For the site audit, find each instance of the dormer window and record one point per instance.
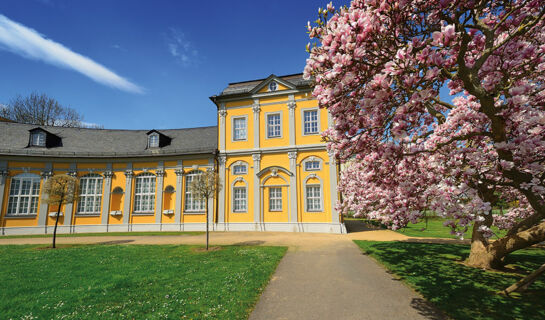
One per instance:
(157, 140)
(273, 86)
(37, 139)
(153, 141)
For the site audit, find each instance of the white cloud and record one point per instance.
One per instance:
(180, 48)
(30, 44)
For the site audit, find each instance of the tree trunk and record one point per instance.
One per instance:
(206, 204)
(490, 255)
(56, 224)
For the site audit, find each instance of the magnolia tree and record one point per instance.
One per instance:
(438, 105)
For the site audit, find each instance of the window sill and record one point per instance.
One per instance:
(21, 216)
(143, 213)
(276, 210)
(311, 134)
(240, 212)
(314, 211)
(87, 215)
(194, 212)
(275, 137)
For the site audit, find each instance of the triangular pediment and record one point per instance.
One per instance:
(264, 86)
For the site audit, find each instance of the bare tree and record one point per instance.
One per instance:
(61, 189)
(42, 110)
(205, 186)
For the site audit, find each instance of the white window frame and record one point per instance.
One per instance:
(191, 203)
(23, 204)
(234, 130)
(90, 195)
(315, 199)
(240, 204)
(267, 126)
(40, 139)
(304, 122)
(309, 160)
(274, 201)
(306, 185)
(273, 86)
(240, 165)
(153, 144)
(146, 192)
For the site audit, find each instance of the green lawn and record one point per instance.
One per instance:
(133, 282)
(436, 229)
(462, 292)
(102, 234)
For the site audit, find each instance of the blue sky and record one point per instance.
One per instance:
(147, 64)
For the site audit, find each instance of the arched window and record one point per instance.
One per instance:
(240, 195)
(144, 193)
(239, 167)
(312, 164)
(314, 196)
(90, 194)
(24, 193)
(191, 201)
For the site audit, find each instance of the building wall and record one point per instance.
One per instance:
(271, 162)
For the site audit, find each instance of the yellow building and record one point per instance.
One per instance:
(267, 148)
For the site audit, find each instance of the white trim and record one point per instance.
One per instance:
(233, 118)
(238, 163)
(312, 227)
(309, 159)
(267, 114)
(303, 110)
(321, 184)
(233, 194)
(144, 194)
(308, 147)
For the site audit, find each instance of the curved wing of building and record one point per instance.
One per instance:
(267, 148)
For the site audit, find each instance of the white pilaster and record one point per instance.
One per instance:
(221, 194)
(3, 177)
(291, 108)
(106, 196)
(159, 194)
(128, 194)
(257, 198)
(256, 109)
(292, 155)
(179, 188)
(222, 128)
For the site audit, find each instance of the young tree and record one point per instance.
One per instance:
(383, 69)
(42, 110)
(60, 189)
(205, 186)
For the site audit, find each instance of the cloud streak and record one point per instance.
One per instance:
(28, 43)
(181, 49)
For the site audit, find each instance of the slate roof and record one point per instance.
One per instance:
(247, 86)
(97, 143)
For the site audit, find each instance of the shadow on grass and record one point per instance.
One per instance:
(462, 292)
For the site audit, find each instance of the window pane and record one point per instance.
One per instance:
(239, 125)
(310, 121)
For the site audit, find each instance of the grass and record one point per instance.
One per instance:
(436, 229)
(133, 282)
(462, 292)
(102, 234)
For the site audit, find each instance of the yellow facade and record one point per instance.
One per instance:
(271, 159)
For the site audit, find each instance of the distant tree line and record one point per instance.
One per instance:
(39, 109)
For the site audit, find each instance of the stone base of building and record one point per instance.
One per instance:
(271, 226)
